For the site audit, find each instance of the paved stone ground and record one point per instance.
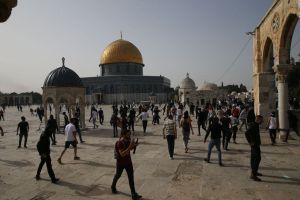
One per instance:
(156, 177)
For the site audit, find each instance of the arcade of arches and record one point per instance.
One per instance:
(271, 59)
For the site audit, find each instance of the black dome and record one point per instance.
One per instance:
(63, 77)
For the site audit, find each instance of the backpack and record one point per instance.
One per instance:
(186, 125)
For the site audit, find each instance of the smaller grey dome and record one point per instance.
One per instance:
(63, 77)
(209, 86)
(187, 83)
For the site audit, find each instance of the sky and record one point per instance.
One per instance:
(175, 37)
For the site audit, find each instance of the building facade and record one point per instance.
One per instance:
(207, 93)
(121, 78)
(272, 44)
(14, 99)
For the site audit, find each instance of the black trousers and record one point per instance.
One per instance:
(171, 144)
(115, 127)
(79, 134)
(201, 123)
(223, 139)
(53, 139)
(234, 130)
(46, 160)
(228, 137)
(131, 125)
(255, 159)
(129, 171)
(101, 119)
(145, 125)
(21, 137)
(272, 133)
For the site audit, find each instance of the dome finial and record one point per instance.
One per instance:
(121, 35)
(63, 61)
(187, 75)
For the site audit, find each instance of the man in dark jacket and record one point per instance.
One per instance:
(23, 127)
(52, 123)
(251, 115)
(215, 129)
(43, 147)
(253, 138)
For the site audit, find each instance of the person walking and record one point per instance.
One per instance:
(76, 124)
(201, 120)
(215, 139)
(131, 119)
(253, 137)
(70, 139)
(23, 127)
(170, 133)
(101, 116)
(122, 154)
(272, 125)
(186, 128)
(114, 121)
(293, 125)
(43, 147)
(144, 116)
(1, 131)
(1, 114)
(179, 112)
(66, 119)
(226, 130)
(251, 115)
(94, 118)
(53, 127)
(243, 118)
(234, 127)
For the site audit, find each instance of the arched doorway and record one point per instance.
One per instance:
(271, 56)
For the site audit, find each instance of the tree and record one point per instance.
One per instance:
(294, 81)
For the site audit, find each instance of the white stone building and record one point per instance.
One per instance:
(207, 93)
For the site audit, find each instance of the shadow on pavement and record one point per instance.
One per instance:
(285, 180)
(23, 163)
(91, 163)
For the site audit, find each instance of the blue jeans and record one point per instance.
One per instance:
(211, 144)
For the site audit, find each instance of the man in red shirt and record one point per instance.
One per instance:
(122, 154)
(235, 111)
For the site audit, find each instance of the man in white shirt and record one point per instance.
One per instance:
(94, 116)
(70, 139)
(144, 116)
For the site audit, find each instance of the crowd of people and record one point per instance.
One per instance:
(221, 122)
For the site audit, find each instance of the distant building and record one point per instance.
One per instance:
(27, 98)
(121, 78)
(208, 92)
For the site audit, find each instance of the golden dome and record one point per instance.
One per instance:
(121, 51)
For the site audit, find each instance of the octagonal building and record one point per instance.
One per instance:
(121, 78)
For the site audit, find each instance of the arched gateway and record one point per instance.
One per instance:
(271, 59)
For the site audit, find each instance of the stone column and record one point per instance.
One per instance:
(45, 113)
(282, 71)
(82, 115)
(57, 114)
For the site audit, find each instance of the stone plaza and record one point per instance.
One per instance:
(157, 177)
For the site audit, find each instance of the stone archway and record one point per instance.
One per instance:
(271, 59)
(69, 96)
